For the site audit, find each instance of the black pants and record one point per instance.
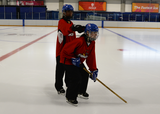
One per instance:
(59, 74)
(77, 81)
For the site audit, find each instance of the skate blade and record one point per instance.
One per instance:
(80, 96)
(72, 104)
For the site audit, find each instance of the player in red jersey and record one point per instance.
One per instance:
(66, 33)
(72, 57)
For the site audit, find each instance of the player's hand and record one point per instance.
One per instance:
(94, 75)
(76, 61)
(78, 28)
(81, 29)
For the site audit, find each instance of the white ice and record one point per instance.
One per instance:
(27, 77)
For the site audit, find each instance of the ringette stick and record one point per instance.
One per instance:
(105, 85)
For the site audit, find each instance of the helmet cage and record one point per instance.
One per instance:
(93, 35)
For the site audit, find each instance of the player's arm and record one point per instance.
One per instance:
(91, 62)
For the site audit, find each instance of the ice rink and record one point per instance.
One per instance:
(128, 61)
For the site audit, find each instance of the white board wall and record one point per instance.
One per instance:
(121, 24)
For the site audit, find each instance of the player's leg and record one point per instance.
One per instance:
(84, 84)
(66, 79)
(59, 76)
(73, 84)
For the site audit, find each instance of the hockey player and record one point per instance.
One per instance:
(72, 57)
(66, 33)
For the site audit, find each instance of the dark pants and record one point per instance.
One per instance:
(77, 81)
(59, 74)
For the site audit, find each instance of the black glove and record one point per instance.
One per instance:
(78, 28)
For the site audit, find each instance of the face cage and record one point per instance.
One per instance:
(93, 36)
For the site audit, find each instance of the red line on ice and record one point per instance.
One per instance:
(19, 49)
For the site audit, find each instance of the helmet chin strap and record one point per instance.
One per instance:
(89, 39)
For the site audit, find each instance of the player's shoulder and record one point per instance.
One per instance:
(61, 20)
(81, 39)
(61, 23)
(93, 42)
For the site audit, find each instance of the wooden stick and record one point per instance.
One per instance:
(105, 85)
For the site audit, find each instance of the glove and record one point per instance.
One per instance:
(94, 75)
(76, 61)
(81, 29)
(78, 28)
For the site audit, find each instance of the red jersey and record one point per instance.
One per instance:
(79, 47)
(65, 34)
